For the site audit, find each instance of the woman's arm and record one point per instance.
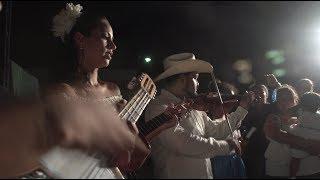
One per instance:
(22, 137)
(273, 131)
(27, 131)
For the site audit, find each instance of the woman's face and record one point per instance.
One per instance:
(286, 101)
(262, 95)
(98, 48)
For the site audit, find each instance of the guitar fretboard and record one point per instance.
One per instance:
(152, 125)
(134, 108)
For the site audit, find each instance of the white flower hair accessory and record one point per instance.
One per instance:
(65, 20)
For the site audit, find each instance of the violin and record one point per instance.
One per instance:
(211, 104)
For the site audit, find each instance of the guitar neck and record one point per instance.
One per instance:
(134, 108)
(153, 127)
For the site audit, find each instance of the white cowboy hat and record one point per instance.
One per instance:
(183, 63)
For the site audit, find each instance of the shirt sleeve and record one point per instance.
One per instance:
(180, 141)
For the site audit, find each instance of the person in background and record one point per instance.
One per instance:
(254, 140)
(304, 85)
(276, 126)
(277, 153)
(303, 164)
(272, 83)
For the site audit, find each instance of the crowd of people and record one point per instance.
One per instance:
(270, 131)
(269, 149)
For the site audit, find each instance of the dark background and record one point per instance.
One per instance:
(218, 32)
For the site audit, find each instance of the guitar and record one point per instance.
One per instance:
(66, 163)
(149, 130)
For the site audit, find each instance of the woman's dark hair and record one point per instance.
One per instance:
(262, 86)
(287, 90)
(84, 24)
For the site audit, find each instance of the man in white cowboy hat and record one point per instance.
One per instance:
(184, 151)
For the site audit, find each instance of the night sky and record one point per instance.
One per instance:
(218, 32)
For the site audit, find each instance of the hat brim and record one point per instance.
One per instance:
(191, 65)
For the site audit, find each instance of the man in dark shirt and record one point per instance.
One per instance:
(257, 143)
(252, 130)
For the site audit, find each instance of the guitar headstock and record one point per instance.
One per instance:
(147, 84)
(143, 82)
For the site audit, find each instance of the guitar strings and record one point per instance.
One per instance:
(142, 101)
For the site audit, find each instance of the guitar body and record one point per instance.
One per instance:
(139, 155)
(150, 130)
(142, 149)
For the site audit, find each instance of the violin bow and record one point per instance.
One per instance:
(221, 101)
